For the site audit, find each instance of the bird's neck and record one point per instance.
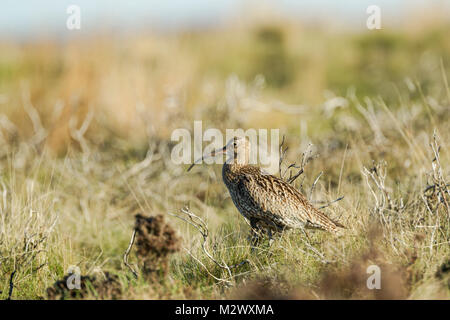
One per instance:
(235, 164)
(232, 167)
(230, 171)
(238, 159)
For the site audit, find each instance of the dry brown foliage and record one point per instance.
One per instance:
(347, 282)
(155, 242)
(107, 288)
(443, 273)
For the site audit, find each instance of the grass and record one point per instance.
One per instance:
(85, 134)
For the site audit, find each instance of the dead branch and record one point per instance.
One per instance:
(306, 156)
(127, 253)
(201, 226)
(78, 134)
(376, 182)
(331, 202)
(11, 285)
(140, 166)
(313, 186)
(439, 186)
(282, 155)
(40, 134)
(371, 118)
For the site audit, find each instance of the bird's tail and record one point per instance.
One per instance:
(339, 228)
(325, 223)
(337, 224)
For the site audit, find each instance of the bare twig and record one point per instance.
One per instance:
(386, 209)
(282, 155)
(204, 267)
(237, 265)
(314, 185)
(306, 156)
(78, 134)
(140, 166)
(11, 285)
(439, 183)
(127, 253)
(292, 178)
(199, 224)
(331, 202)
(39, 131)
(433, 187)
(372, 119)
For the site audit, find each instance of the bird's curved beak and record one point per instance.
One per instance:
(211, 155)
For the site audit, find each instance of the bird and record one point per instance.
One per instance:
(266, 201)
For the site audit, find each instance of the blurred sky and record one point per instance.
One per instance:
(31, 18)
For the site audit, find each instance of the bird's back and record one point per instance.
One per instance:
(272, 200)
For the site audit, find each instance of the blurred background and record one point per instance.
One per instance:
(170, 62)
(86, 118)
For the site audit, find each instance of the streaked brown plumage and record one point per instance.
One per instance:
(264, 199)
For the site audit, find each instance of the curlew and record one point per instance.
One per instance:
(265, 200)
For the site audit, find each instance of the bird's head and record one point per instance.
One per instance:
(237, 150)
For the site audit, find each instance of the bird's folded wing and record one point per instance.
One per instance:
(273, 198)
